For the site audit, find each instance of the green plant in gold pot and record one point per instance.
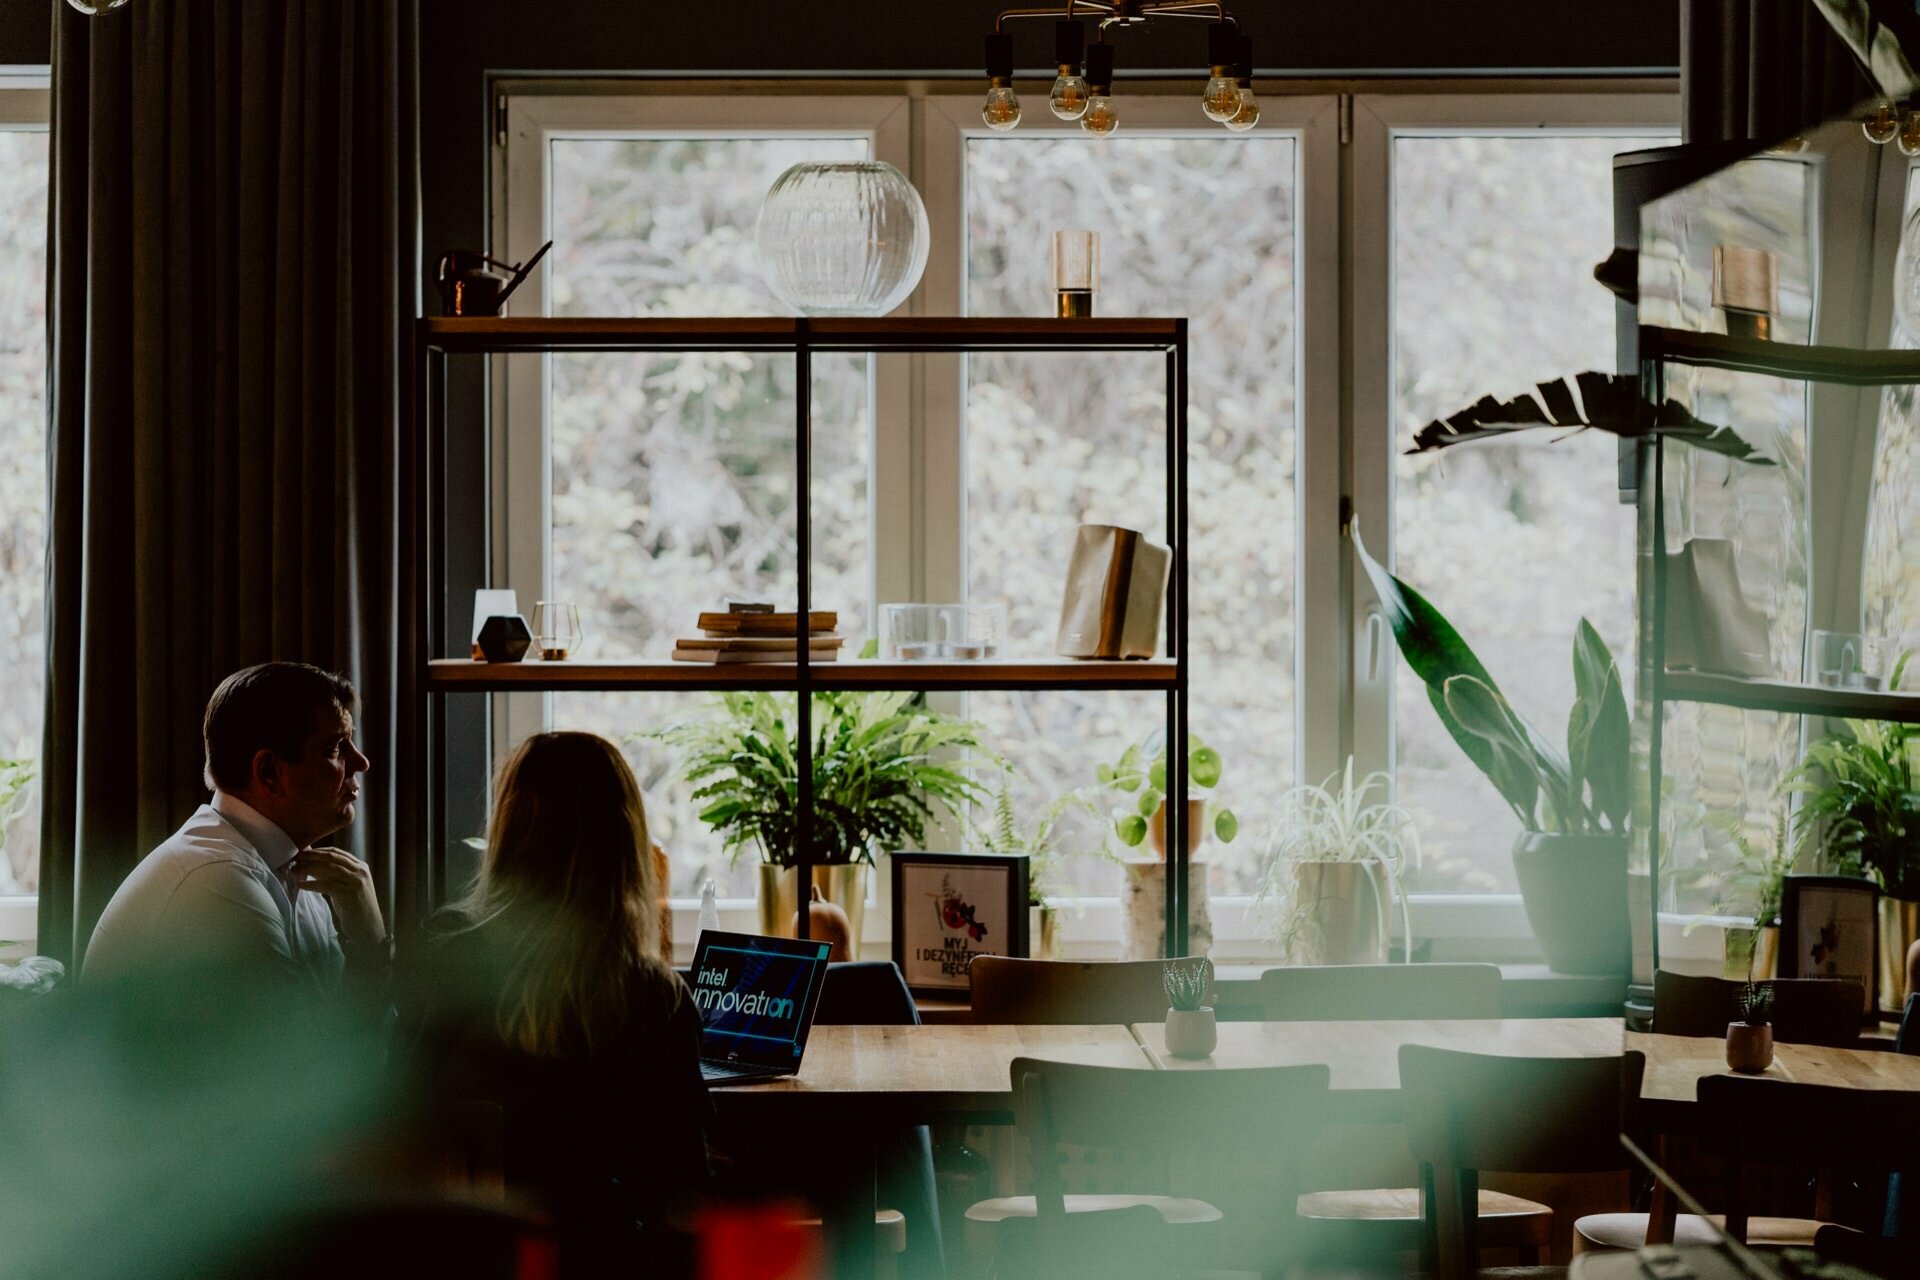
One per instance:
(1571, 856)
(1041, 842)
(883, 766)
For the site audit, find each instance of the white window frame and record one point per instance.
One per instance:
(1091, 925)
(26, 105)
(1344, 159)
(1378, 120)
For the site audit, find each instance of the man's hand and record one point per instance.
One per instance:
(347, 884)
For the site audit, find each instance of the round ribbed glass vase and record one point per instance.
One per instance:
(843, 239)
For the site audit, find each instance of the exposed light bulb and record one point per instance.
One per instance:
(1002, 109)
(1910, 134)
(1248, 115)
(1069, 97)
(91, 7)
(1101, 118)
(1222, 99)
(1882, 122)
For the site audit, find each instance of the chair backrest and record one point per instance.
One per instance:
(1348, 992)
(1252, 1122)
(1824, 1128)
(1907, 1039)
(1468, 1112)
(1068, 992)
(1805, 1010)
(865, 993)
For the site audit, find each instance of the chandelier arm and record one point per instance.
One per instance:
(1190, 9)
(1058, 13)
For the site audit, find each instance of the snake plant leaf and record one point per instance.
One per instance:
(1607, 402)
(1437, 654)
(1599, 727)
(1479, 710)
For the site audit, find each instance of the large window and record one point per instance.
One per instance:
(23, 479)
(645, 488)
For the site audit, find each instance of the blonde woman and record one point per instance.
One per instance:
(542, 991)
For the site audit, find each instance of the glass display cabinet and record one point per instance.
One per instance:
(1779, 296)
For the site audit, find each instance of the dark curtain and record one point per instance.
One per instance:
(1761, 70)
(233, 267)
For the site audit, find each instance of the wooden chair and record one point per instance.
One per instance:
(1376, 992)
(1380, 1220)
(1067, 992)
(1469, 1113)
(1805, 1011)
(1230, 1125)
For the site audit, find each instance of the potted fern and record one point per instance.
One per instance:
(1190, 1030)
(1045, 857)
(1750, 885)
(1334, 863)
(882, 768)
(1570, 858)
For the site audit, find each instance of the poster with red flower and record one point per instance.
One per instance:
(949, 908)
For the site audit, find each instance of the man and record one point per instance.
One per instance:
(246, 881)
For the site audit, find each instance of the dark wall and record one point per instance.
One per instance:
(463, 41)
(26, 32)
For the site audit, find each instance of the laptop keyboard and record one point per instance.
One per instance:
(721, 1071)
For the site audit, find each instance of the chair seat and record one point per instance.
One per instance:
(1505, 1221)
(1173, 1210)
(1602, 1231)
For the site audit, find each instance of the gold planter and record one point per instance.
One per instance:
(1750, 954)
(1344, 900)
(1899, 930)
(843, 884)
(1043, 933)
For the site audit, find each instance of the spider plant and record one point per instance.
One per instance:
(1335, 823)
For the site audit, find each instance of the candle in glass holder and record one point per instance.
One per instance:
(1075, 265)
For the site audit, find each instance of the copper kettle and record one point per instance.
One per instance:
(470, 286)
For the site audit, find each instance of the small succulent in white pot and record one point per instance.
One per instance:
(1327, 841)
(1190, 1029)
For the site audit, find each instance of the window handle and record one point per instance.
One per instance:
(1376, 637)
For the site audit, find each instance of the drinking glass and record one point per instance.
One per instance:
(1074, 263)
(556, 629)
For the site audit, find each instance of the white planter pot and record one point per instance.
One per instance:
(1191, 1033)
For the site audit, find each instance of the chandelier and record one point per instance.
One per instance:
(1086, 94)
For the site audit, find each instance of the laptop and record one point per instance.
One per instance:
(756, 998)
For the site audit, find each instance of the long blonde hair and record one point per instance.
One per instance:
(570, 888)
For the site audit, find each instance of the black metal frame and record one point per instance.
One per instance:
(1017, 868)
(437, 338)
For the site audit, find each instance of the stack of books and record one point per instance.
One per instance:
(760, 636)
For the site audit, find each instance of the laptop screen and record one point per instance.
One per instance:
(756, 997)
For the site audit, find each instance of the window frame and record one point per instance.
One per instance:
(26, 106)
(1378, 120)
(1344, 169)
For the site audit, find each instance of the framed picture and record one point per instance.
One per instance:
(1829, 928)
(949, 908)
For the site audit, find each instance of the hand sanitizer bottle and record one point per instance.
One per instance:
(709, 908)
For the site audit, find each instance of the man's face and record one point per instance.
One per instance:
(320, 788)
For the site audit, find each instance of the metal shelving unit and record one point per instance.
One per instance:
(1660, 347)
(439, 339)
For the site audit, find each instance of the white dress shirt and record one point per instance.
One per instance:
(214, 891)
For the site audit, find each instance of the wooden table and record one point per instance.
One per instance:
(913, 1074)
(1364, 1056)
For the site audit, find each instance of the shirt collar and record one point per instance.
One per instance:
(273, 845)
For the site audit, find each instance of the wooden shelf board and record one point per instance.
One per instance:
(464, 675)
(1790, 698)
(1846, 365)
(776, 333)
